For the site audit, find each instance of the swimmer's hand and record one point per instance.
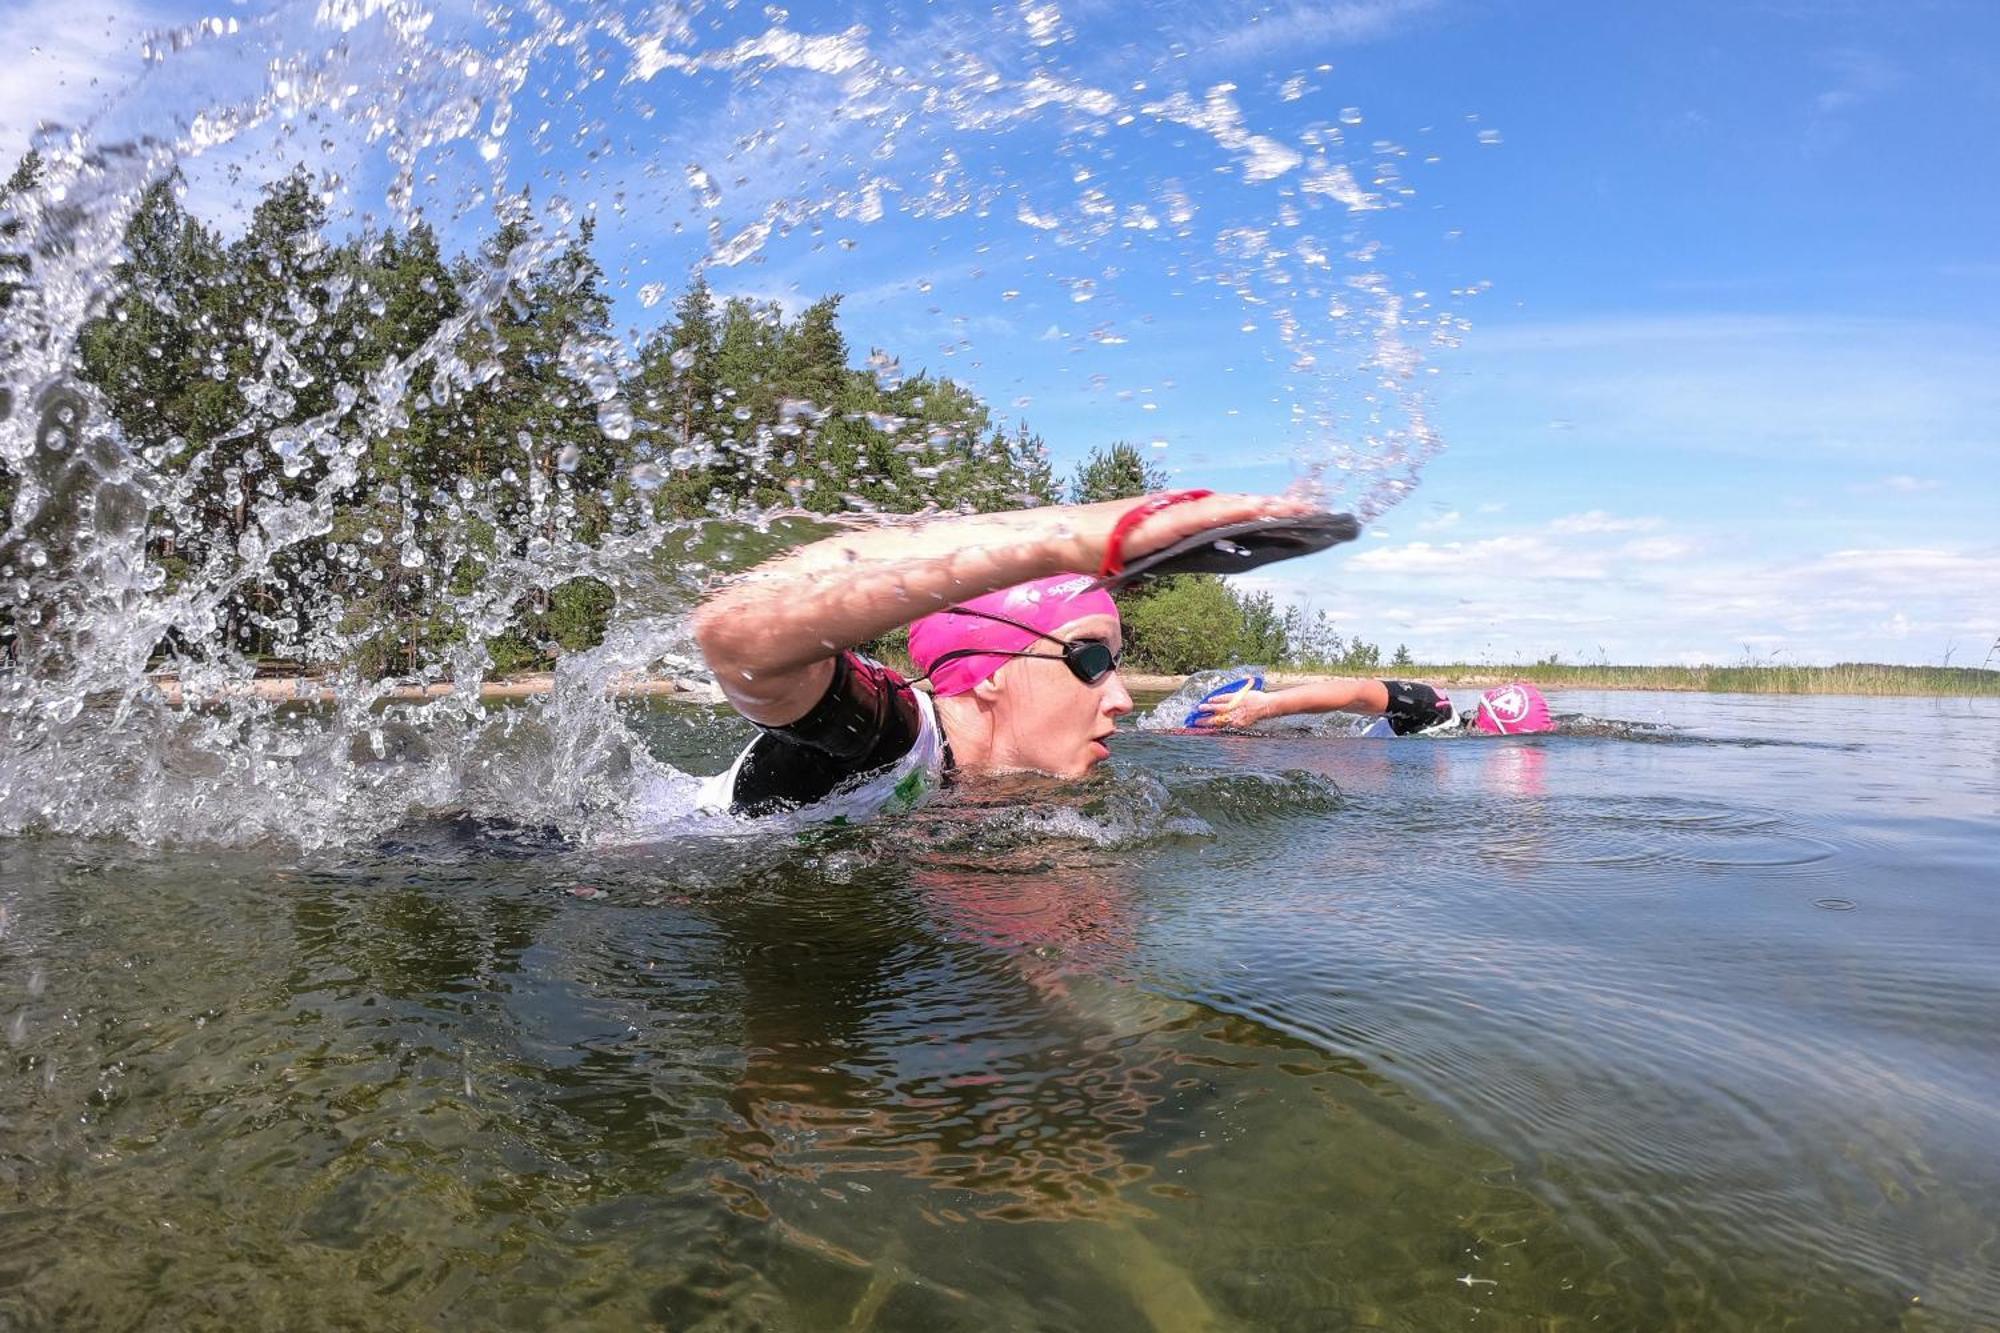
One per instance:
(1090, 527)
(1240, 708)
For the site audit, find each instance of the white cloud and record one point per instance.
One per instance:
(1685, 598)
(1299, 27)
(1908, 485)
(1654, 549)
(1913, 568)
(1858, 76)
(1513, 556)
(1598, 521)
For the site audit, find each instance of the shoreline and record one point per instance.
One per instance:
(531, 685)
(1917, 682)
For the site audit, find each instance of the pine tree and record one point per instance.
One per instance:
(14, 265)
(283, 370)
(159, 357)
(1117, 472)
(813, 363)
(746, 364)
(672, 393)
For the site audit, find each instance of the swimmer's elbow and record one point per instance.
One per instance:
(719, 633)
(750, 662)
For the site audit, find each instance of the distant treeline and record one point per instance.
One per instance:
(361, 439)
(1863, 678)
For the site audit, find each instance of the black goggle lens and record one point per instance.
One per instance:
(1089, 660)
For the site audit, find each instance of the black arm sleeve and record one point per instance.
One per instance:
(1414, 706)
(866, 720)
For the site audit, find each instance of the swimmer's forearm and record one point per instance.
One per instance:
(1348, 694)
(771, 636)
(802, 608)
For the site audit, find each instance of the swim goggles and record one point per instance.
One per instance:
(1089, 660)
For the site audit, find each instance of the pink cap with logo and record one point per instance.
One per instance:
(1513, 710)
(1043, 606)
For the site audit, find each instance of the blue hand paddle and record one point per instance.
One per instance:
(1250, 682)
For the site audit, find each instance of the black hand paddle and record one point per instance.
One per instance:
(1237, 547)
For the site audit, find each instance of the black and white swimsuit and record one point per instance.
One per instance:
(871, 745)
(1415, 707)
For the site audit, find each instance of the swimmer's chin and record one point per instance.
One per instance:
(1095, 753)
(1085, 765)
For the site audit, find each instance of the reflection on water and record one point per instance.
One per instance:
(1308, 1033)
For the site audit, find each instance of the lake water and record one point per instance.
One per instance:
(1684, 1022)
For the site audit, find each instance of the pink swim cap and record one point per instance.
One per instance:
(1513, 710)
(1043, 605)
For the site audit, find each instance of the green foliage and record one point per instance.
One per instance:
(570, 617)
(13, 263)
(1263, 634)
(223, 362)
(14, 266)
(740, 407)
(248, 372)
(1190, 622)
(578, 613)
(1117, 472)
(1314, 643)
(1196, 622)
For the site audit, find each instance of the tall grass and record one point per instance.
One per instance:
(1844, 678)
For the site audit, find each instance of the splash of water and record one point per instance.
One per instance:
(706, 141)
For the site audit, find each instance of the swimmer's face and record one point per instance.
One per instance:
(1045, 719)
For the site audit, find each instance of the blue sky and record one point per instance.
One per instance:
(1697, 298)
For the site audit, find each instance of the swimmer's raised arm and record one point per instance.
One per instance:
(771, 636)
(1343, 694)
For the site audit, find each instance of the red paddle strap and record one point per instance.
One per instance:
(1114, 546)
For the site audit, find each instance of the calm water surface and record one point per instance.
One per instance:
(1685, 1022)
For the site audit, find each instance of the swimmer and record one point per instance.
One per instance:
(1406, 706)
(1021, 650)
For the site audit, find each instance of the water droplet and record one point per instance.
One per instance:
(887, 369)
(614, 418)
(703, 186)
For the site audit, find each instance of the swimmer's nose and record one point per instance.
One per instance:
(1117, 700)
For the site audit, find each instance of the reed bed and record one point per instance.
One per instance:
(1843, 678)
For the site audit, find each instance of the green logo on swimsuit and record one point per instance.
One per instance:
(908, 792)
